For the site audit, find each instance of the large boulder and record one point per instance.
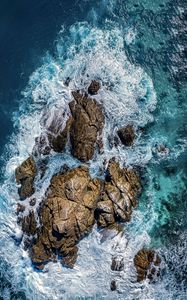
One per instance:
(147, 264)
(87, 125)
(25, 175)
(66, 216)
(119, 195)
(127, 135)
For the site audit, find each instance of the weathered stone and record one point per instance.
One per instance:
(146, 263)
(20, 208)
(127, 135)
(119, 196)
(117, 264)
(25, 175)
(66, 216)
(94, 87)
(29, 225)
(87, 125)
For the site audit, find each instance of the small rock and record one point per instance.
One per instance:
(113, 285)
(20, 208)
(147, 263)
(94, 87)
(117, 264)
(32, 202)
(126, 135)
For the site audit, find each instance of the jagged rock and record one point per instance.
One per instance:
(147, 264)
(126, 135)
(66, 216)
(94, 87)
(117, 264)
(56, 125)
(119, 196)
(20, 208)
(29, 225)
(87, 125)
(25, 175)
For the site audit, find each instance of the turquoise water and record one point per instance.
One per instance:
(136, 50)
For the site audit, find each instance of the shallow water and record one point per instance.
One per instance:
(136, 50)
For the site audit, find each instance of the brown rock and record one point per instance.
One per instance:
(87, 125)
(127, 135)
(29, 225)
(146, 263)
(25, 175)
(94, 87)
(66, 216)
(119, 196)
(20, 208)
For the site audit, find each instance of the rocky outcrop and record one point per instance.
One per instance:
(87, 125)
(127, 135)
(94, 87)
(117, 264)
(25, 175)
(147, 264)
(119, 195)
(66, 216)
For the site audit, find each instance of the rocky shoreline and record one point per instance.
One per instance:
(74, 201)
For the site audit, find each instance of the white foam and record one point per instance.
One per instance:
(127, 95)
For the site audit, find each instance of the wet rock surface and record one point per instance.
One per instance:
(66, 216)
(119, 195)
(25, 175)
(87, 125)
(127, 135)
(94, 87)
(147, 264)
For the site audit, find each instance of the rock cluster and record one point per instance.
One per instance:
(83, 127)
(147, 264)
(74, 201)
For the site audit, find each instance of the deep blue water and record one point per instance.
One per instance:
(141, 43)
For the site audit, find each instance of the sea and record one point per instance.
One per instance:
(136, 49)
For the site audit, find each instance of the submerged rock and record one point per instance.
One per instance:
(25, 175)
(127, 135)
(66, 216)
(117, 264)
(119, 195)
(147, 264)
(94, 87)
(113, 285)
(87, 125)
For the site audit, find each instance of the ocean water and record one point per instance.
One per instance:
(137, 51)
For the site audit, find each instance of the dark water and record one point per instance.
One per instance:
(28, 30)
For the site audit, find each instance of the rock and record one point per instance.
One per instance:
(113, 285)
(32, 202)
(94, 87)
(25, 175)
(146, 263)
(119, 195)
(66, 216)
(29, 225)
(117, 264)
(127, 135)
(87, 125)
(56, 125)
(20, 208)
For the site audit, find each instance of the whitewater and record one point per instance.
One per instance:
(85, 52)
